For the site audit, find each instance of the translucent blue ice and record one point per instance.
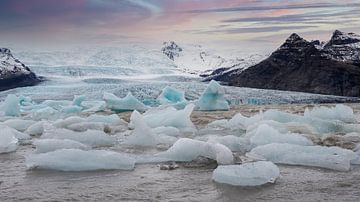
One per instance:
(213, 98)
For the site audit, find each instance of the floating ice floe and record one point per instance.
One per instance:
(93, 106)
(334, 158)
(93, 138)
(78, 99)
(264, 134)
(8, 141)
(108, 119)
(48, 145)
(339, 112)
(356, 161)
(213, 98)
(169, 116)
(80, 160)
(57, 104)
(247, 174)
(234, 143)
(36, 128)
(63, 123)
(11, 106)
(172, 96)
(188, 149)
(46, 113)
(19, 124)
(74, 109)
(143, 135)
(128, 103)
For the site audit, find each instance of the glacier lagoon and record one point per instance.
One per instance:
(192, 180)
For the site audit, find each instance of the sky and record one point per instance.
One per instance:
(257, 24)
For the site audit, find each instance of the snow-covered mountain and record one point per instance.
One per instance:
(13, 73)
(195, 59)
(343, 47)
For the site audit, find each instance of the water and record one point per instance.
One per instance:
(149, 183)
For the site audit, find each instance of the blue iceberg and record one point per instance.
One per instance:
(172, 96)
(213, 98)
(128, 103)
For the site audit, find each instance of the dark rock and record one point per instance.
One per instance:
(300, 65)
(13, 73)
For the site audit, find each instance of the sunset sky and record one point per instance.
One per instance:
(213, 22)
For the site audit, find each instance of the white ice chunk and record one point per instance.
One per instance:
(19, 124)
(169, 116)
(57, 104)
(90, 137)
(94, 106)
(247, 174)
(264, 134)
(84, 126)
(357, 151)
(142, 134)
(71, 109)
(8, 141)
(167, 130)
(188, 149)
(339, 112)
(11, 105)
(213, 98)
(240, 121)
(68, 121)
(47, 113)
(235, 144)
(334, 158)
(48, 145)
(127, 103)
(79, 160)
(36, 128)
(109, 119)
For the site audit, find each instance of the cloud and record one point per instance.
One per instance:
(275, 7)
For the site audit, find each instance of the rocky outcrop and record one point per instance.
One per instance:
(300, 65)
(13, 73)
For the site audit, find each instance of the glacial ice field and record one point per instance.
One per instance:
(106, 133)
(169, 147)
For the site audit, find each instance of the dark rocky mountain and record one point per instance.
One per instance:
(13, 73)
(300, 65)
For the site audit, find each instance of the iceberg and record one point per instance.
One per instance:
(48, 145)
(19, 124)
(247, 174)
(172, 96)
(71, 109)
(142, 134)
(264, 134)
(169, 116)
(167, 130)
(93, 106)
(78, 99)
(339, 112)
(47, 113)
(128, 103)
(11, 105)
(188, 149)
(213, 98)
(234, 143)
(80, 160)
(108, 119)
(63, 123)
(92, 138)
(36, 128)
(84, 126)
(8, 141)
(334, 158)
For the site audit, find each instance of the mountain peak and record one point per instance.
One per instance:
(171, 49)
(294, 41)
(343, 38)
(5, 51)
